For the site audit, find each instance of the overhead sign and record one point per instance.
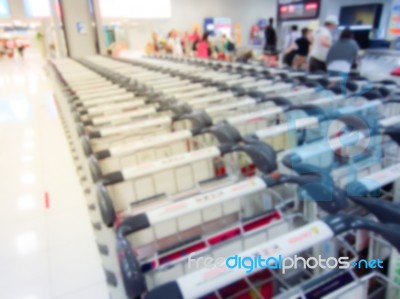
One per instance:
(37, 8)
(298, 9)
(135, 9)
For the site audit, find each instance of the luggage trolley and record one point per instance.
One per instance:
(217, 112)
(216, 282)
(306, 123)
(172, 154)
(131, 224)
(90, 92)
(212, 109)
(83, 79)
(350, 153)
(234, 79)
(169, 144)
(259, 69)
(104, 238)
(74, 67)
(209, 224)
(237, 80)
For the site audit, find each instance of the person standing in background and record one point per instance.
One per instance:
(303, 47)
(20, 46)
(185, 43)
(225, 48)
(203, 47)
(270, 37)
(322, 42)
(290, 46)
(2, 48)
(174, 44)
(10, 46)
(153, 46)
(195, 38)
(343, 54)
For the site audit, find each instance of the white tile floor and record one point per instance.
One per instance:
(44, 252)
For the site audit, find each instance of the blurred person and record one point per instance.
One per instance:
(174, 44)
(20, 45)
(270, 37)
(322, 41)
(230, 49)
(186, 44)
(302, 49)
(10, 46)
(2, 47)
(343, 54)
(52, 50)
(220, 47)
(290, 45)
(195, 38)
(154, 45)
(246, 56)
(169, 43)
(155, 42)
(204, 49)
(226, 48)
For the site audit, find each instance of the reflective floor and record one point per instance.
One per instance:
(47, 247)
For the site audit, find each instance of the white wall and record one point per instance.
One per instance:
(186, 13)
(247, 13)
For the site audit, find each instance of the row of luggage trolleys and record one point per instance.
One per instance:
(179, 158)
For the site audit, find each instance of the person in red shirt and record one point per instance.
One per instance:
(204, 47)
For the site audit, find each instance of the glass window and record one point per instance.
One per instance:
(4, 9)
(135, 9)
(37, 8)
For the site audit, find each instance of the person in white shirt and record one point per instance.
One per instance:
(322, 42)
(174, 44)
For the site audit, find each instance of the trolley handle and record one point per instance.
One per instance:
(321, 188)
(131, 272)
(313, 84)
(178, 110)
(199, 120)
(317, 183)
(342, 223)
(395, 100)
(385, 211)
(223, 132)
(261, 154)
(278, 101)
(311, 110)
(393, 132)
(359, 123)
